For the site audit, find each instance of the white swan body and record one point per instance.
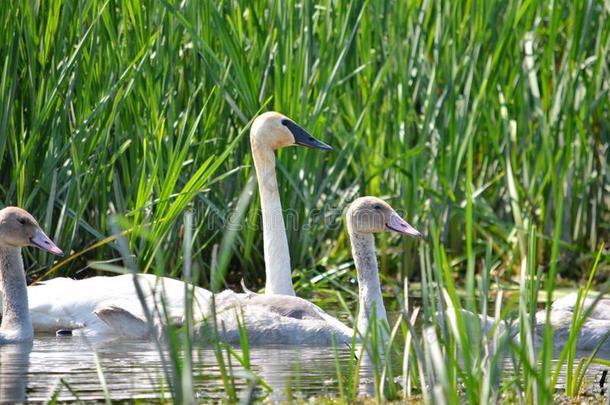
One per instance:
(99, 305)
(601, 310)
(275, 319)
(269, 319)
(75, 305)
(17, 229)
(108, 307)
(593, 331)
(589, 336)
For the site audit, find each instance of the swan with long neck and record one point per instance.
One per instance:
(293, 320)
(271, 131)
(109, 305)
(18, 229)
(284, 319)
(365, 217)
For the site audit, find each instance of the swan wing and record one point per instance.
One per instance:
(274, 319)
(286, 306)
(601, 310)
(123, 322)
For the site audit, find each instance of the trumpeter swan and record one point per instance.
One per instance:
(18, 229)
(293, 320)
(284, 319)
(97, 305)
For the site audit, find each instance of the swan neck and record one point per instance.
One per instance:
(16, 324)
(370, 297)
(276, 252)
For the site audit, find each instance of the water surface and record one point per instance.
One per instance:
(68, 367)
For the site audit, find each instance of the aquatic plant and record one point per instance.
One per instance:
(486, 122)
(113, 107)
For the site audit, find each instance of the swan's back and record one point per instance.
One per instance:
(273, 319)
(289, 308)
(568, 303)
(63, 303)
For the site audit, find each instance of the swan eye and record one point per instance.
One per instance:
(377, 206)
(285, 122)
(22, 221)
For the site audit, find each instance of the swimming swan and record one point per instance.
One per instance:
(594, 329)
(18, 229)
(284, 319)
(98, 305)
(293, 320)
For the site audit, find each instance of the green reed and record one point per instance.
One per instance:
(483, 119)
(485, 122)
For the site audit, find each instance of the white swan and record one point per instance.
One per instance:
(271, 131)
(18, 229)
(293, 320)
(284, 319)
(567, 304)
(594, 329)
(109, 305)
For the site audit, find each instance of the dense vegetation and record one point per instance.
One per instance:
(477, 119)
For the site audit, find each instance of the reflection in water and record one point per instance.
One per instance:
(63, 367)
(57, 365)
(14, 361)
(295, 370)
(133, 369)
(366, 383)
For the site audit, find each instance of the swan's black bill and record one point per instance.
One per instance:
(304, 138)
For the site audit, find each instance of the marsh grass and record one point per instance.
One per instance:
(482, 120)
(462, 357)
(175, 344)
(486, 123)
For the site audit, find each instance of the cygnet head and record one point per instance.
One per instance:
(369, 215)
(274, 130)
(18, 229)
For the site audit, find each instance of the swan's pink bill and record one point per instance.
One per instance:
(43, 242)
(396, 223)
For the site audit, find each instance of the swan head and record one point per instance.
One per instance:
(274, 130)
(18, 229)
(369, 215)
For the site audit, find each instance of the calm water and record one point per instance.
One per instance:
(67, 368)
